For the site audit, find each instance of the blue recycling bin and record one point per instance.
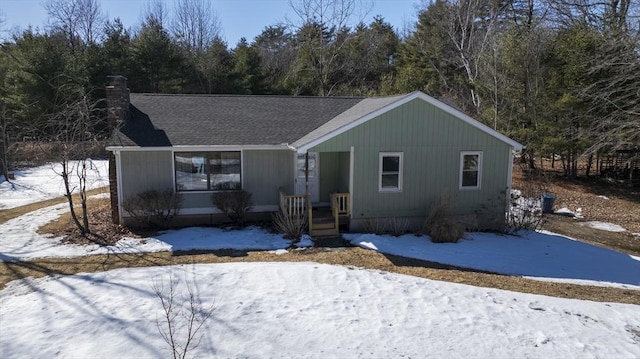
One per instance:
(547, 200)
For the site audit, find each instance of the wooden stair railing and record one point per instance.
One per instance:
(293, 205)
(297, 205)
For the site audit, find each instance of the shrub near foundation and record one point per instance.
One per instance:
(293, 227)
(374, 225)
(440, 224)
(234, 204)
(154, 208)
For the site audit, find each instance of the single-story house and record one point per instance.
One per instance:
(373, 158)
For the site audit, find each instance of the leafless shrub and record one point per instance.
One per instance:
(182, 317)
(524, 213)
(440, 224)
(374, 225)
(524, 204)
(521, 212)
(397, 226)
(291, 226)
(234, 204)
(154, 208)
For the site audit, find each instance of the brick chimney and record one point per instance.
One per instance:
(117, 100)
(117, 111)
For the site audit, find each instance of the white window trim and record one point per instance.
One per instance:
(400, 170)
(467, 153)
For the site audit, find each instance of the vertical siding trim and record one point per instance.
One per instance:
(119, 181)
(509, 178)
(242, 174)
(351, 164)
(295, 174)
(173, 171)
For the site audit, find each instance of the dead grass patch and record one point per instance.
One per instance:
(103, 231)
(623, 242)
(621, 206)
(350, 257)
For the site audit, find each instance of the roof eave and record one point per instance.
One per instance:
(284, 146)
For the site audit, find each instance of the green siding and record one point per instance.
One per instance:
(334, 174)
(145, 170)
(431, 141)
(267, 171)
(263, 173)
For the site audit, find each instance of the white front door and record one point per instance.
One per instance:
(301, 175)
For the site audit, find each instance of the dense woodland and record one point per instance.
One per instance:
(560, 76)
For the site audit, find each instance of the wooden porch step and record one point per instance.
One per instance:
(327, 225)
(327, 232)
(318, 220)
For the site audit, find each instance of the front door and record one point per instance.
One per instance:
(314, 180)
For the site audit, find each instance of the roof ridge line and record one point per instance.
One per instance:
(249, 96)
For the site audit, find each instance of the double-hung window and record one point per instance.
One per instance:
(390, 173)
(470, 169)
(208, 171)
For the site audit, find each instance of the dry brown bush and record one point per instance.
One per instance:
(234, 204)
(440, 224)
(397, 226)
(374, 225)
(154, 208)
(293, 227)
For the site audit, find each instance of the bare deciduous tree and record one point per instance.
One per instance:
(4, 142)
(277, 51)
(195, 24)
(609, 13)
(613, 96)
(323, 30)
(71, 127)
(81, 19)
(610, 94)
(182, 317)
(470, 26)
(154, 11)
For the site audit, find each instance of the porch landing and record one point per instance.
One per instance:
(324, 221)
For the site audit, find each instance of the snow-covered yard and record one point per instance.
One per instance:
(43, 182)
(307, 310)
(316, 310)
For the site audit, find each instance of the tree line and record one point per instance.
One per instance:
(560, 76)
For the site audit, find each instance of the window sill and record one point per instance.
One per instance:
(391, 190)
(469, 188)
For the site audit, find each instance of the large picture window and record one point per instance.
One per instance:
(390, 175)
(208, 171)
(470, 169)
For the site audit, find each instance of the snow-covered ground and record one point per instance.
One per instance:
(533, 254)
(293, 310)
(42, 183)
(306, 310)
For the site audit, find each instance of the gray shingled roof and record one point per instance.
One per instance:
(192, 120)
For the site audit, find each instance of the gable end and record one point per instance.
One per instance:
(307, 142)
